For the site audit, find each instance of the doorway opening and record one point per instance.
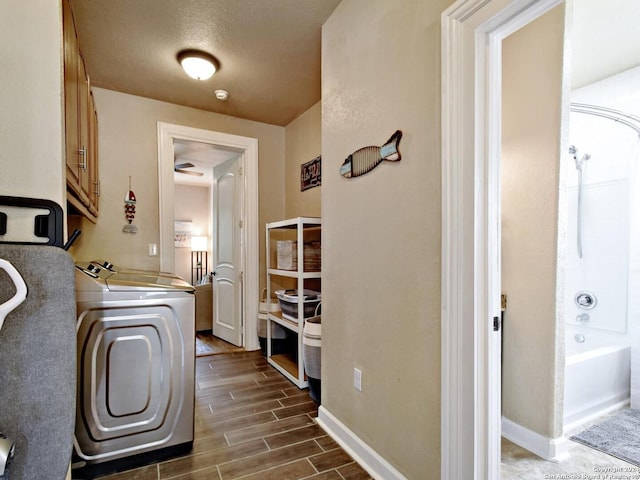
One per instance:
(472, 34)
(245, 150)
(472, 71)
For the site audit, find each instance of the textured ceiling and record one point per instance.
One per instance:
(268, 51)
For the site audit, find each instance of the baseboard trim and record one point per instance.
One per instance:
(367, 457)
(552, 449)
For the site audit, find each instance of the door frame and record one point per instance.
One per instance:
(472, 34)
(248, 147)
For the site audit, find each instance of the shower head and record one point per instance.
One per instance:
(579, 162)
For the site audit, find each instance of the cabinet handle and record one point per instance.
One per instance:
(97, 192)
(83, 153)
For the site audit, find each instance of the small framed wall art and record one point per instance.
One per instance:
(182, 234)
(311, 174)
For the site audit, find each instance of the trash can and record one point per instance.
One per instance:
(278, 333)
(311, 351)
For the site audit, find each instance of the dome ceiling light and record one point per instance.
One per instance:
(197, 64)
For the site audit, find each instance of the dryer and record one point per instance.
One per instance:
(136, 366)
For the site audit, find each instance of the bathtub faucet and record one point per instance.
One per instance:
(582, 318)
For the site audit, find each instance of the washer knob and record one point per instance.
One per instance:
(92, 268)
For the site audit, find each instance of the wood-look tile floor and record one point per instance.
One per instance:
(252, 424)
(208, 344)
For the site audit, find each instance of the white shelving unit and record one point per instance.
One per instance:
(290, 364)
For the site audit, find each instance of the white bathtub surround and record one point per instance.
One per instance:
(601, 372)
(597, 376)
(634, 281)
(602, 271)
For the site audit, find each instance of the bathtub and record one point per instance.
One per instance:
(597, 375)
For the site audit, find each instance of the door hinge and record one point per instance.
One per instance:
(240, 223)
(503, 301)
(496, 324)
(241, 276)
(240, 171)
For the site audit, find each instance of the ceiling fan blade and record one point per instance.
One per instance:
(183, 165)
(187, 172)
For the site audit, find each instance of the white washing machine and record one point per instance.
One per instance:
(136, 366)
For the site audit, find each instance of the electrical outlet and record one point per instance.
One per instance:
(357, 379)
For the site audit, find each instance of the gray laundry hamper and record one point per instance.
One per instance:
(278, 334)
(312, 354)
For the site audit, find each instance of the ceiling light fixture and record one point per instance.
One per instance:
(221, 94)
(197, 64)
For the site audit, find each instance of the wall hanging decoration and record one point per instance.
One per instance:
(130, 210)
(311, 174)
(182, 233)
(366, 159)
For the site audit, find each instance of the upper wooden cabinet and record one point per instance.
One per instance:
(81, 134)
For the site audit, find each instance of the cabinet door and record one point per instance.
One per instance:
(94, 178)
(83, 127)
(71, 53)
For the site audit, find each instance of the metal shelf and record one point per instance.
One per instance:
(293, 273)
(285, 322)
(290, 365)
(309, 222)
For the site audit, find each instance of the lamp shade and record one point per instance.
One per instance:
(199, 243)
(196, 64)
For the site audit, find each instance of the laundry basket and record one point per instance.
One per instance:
(312, 354)
(278, 333)
(289, 303)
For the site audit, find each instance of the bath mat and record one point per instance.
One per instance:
(618, 436)
(203, 348)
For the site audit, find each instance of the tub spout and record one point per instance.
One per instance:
(582, 318)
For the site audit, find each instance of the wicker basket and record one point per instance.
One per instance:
(278, 334)
(270, 306)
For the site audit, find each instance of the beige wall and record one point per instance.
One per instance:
(302, 143)
(193, 204)
(381, 232)
(128, 146)
(532, 89)
(31, 128)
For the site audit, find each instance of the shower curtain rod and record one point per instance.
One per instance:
(627, 119)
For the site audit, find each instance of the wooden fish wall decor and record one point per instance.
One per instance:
(366, 159)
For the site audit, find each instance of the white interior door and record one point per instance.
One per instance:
(227, 257)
